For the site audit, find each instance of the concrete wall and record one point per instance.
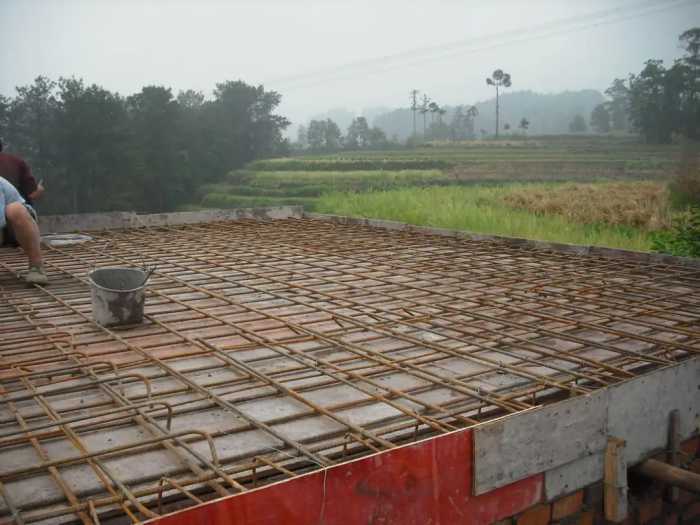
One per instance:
(576, 249)
(567, 440)
(123, 220)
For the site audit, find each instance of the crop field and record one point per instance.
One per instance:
(583, 190)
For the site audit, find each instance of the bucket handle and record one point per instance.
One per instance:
(99, 252)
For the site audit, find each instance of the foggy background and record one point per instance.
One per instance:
(325, 54)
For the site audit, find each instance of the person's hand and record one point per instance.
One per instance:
(38, 192)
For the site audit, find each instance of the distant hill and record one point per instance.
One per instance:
(547, 113)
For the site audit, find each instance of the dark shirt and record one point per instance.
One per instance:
(19, 174)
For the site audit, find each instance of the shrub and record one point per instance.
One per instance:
(685, 187)
(683, 238)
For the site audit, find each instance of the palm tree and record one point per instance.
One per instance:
(500, 80)
(524, 124)
(424, 108)
(433, 108)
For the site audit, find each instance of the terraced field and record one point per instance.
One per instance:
(501, 174)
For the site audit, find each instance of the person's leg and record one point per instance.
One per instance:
(26, 231)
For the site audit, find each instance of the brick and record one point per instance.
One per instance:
(649, 509)
(593, 497)
(586, 518)
(691, 514)
(686, 497)
(567, 505)
(671, 519)
(538, 515)
(695, 466)
(580, 518)
(691, 446)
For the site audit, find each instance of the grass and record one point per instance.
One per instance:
(479, 209)
(643, 205)
(582, 190)
(274, 188)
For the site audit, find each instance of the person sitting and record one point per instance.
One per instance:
(20, 220)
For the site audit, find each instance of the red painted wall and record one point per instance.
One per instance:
(429, 482)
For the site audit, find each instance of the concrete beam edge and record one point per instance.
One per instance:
(577, 249)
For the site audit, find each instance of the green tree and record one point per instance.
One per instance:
(690, 42)
(302, 138)
(600, 119)
(655, 101)
(333, 137)
(154, 115)
(618, 105)
(31, 126)
(499, 80)
(524, 124)
(424, 108)
(357, 136)
(377, 138)
(93, 170)
(578, 125)
(316, 134)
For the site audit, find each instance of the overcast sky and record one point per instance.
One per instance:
(323, 54)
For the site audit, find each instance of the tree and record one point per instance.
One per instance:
(618, 106)
(154, 115)
(424, 108)
(506, 126)
(333, 137)
(524, 124)
(98, 151)
(433, 108)
(499, 80)
(357, 136)
(377, 138)
(32, 124)
(302, 137)
(96, 170)
(578, 125)
(316, 135)
(690, 42)
(600, 119)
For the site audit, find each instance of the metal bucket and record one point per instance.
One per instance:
(117, 295)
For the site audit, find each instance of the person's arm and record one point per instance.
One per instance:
(29, 187)
(38, 192)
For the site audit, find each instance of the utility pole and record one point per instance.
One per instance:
(414, 107)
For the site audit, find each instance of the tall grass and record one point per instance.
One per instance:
(480, 210)
(643, 204)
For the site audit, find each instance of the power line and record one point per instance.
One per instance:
(422, 55)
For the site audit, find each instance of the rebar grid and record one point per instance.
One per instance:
(274, 348)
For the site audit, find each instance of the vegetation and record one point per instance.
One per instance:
(478, 209)
(683, 238)
(99, 151)
(499, 80)
(642, 205)
(665, 101)
(154, 151)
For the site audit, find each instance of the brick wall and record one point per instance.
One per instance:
(648, 502)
